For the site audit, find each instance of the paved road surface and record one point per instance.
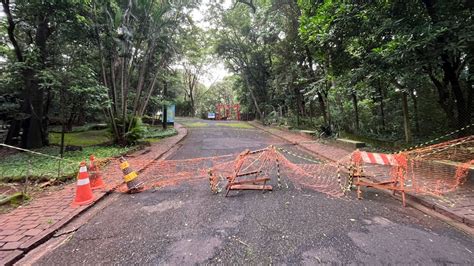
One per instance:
(186, 224)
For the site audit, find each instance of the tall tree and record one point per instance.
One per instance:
(136, 41)
(33, 27)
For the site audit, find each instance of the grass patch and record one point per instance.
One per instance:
(159, 133)
(87, 127)
(236, 125)
(152, 140)
(15, 167)
(155, 134)
(195, 124)
(83, 138)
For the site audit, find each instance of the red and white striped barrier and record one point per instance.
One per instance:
(378, 158)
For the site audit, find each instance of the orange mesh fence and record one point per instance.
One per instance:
(436, 169)
(269, 162)
(159, 173)
(423, 170)
(441, 168)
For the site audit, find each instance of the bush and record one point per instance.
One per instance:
(137, 131)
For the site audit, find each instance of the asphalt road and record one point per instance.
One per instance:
(186, 224)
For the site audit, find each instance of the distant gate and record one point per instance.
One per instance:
(226, 111)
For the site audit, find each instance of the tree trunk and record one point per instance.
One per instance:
(114, 89)
(328, 110)
(382, 110)
(148, 96)
(254, 99)
(322, 106)
(464, 117)
(356, 111)
(299, 102)
(11, 30)
(33, 127)
(470, 93)
(406, 118)
(415, 111)
(165, 116)
(123, 94)
(165, 94)
(141, 81)
(32, 136)
(449, 68)
(444, 99)
(49, 99)
(34, 131)
(13, 133)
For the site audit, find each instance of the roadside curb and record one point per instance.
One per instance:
(418, 200)
(16, 254)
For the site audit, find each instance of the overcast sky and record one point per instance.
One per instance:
(217, 71)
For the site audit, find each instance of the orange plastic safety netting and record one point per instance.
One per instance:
(272, 162)
(441, 168)
(436, 169)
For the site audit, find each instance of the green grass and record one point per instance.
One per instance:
(159, 133)
(84, 138)
(155, 134)
(195, 124)
(98, 137)
(152, 140)
(86, 127)
(236, 125)
(15, 167)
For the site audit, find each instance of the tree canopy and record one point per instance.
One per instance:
(387, 69)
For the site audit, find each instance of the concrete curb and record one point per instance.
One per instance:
(427, 204)
(17, 254)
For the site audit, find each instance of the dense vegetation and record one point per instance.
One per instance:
(383, 68)
(386, 69)
(74, 61)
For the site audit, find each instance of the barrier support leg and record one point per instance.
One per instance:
(402, 185)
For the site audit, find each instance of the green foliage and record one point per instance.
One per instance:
(345, 64)
(136, 131)
(88, 61)
(219, 92)
(351, 65)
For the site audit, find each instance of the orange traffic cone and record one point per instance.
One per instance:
(84, 194)
(96, 176)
